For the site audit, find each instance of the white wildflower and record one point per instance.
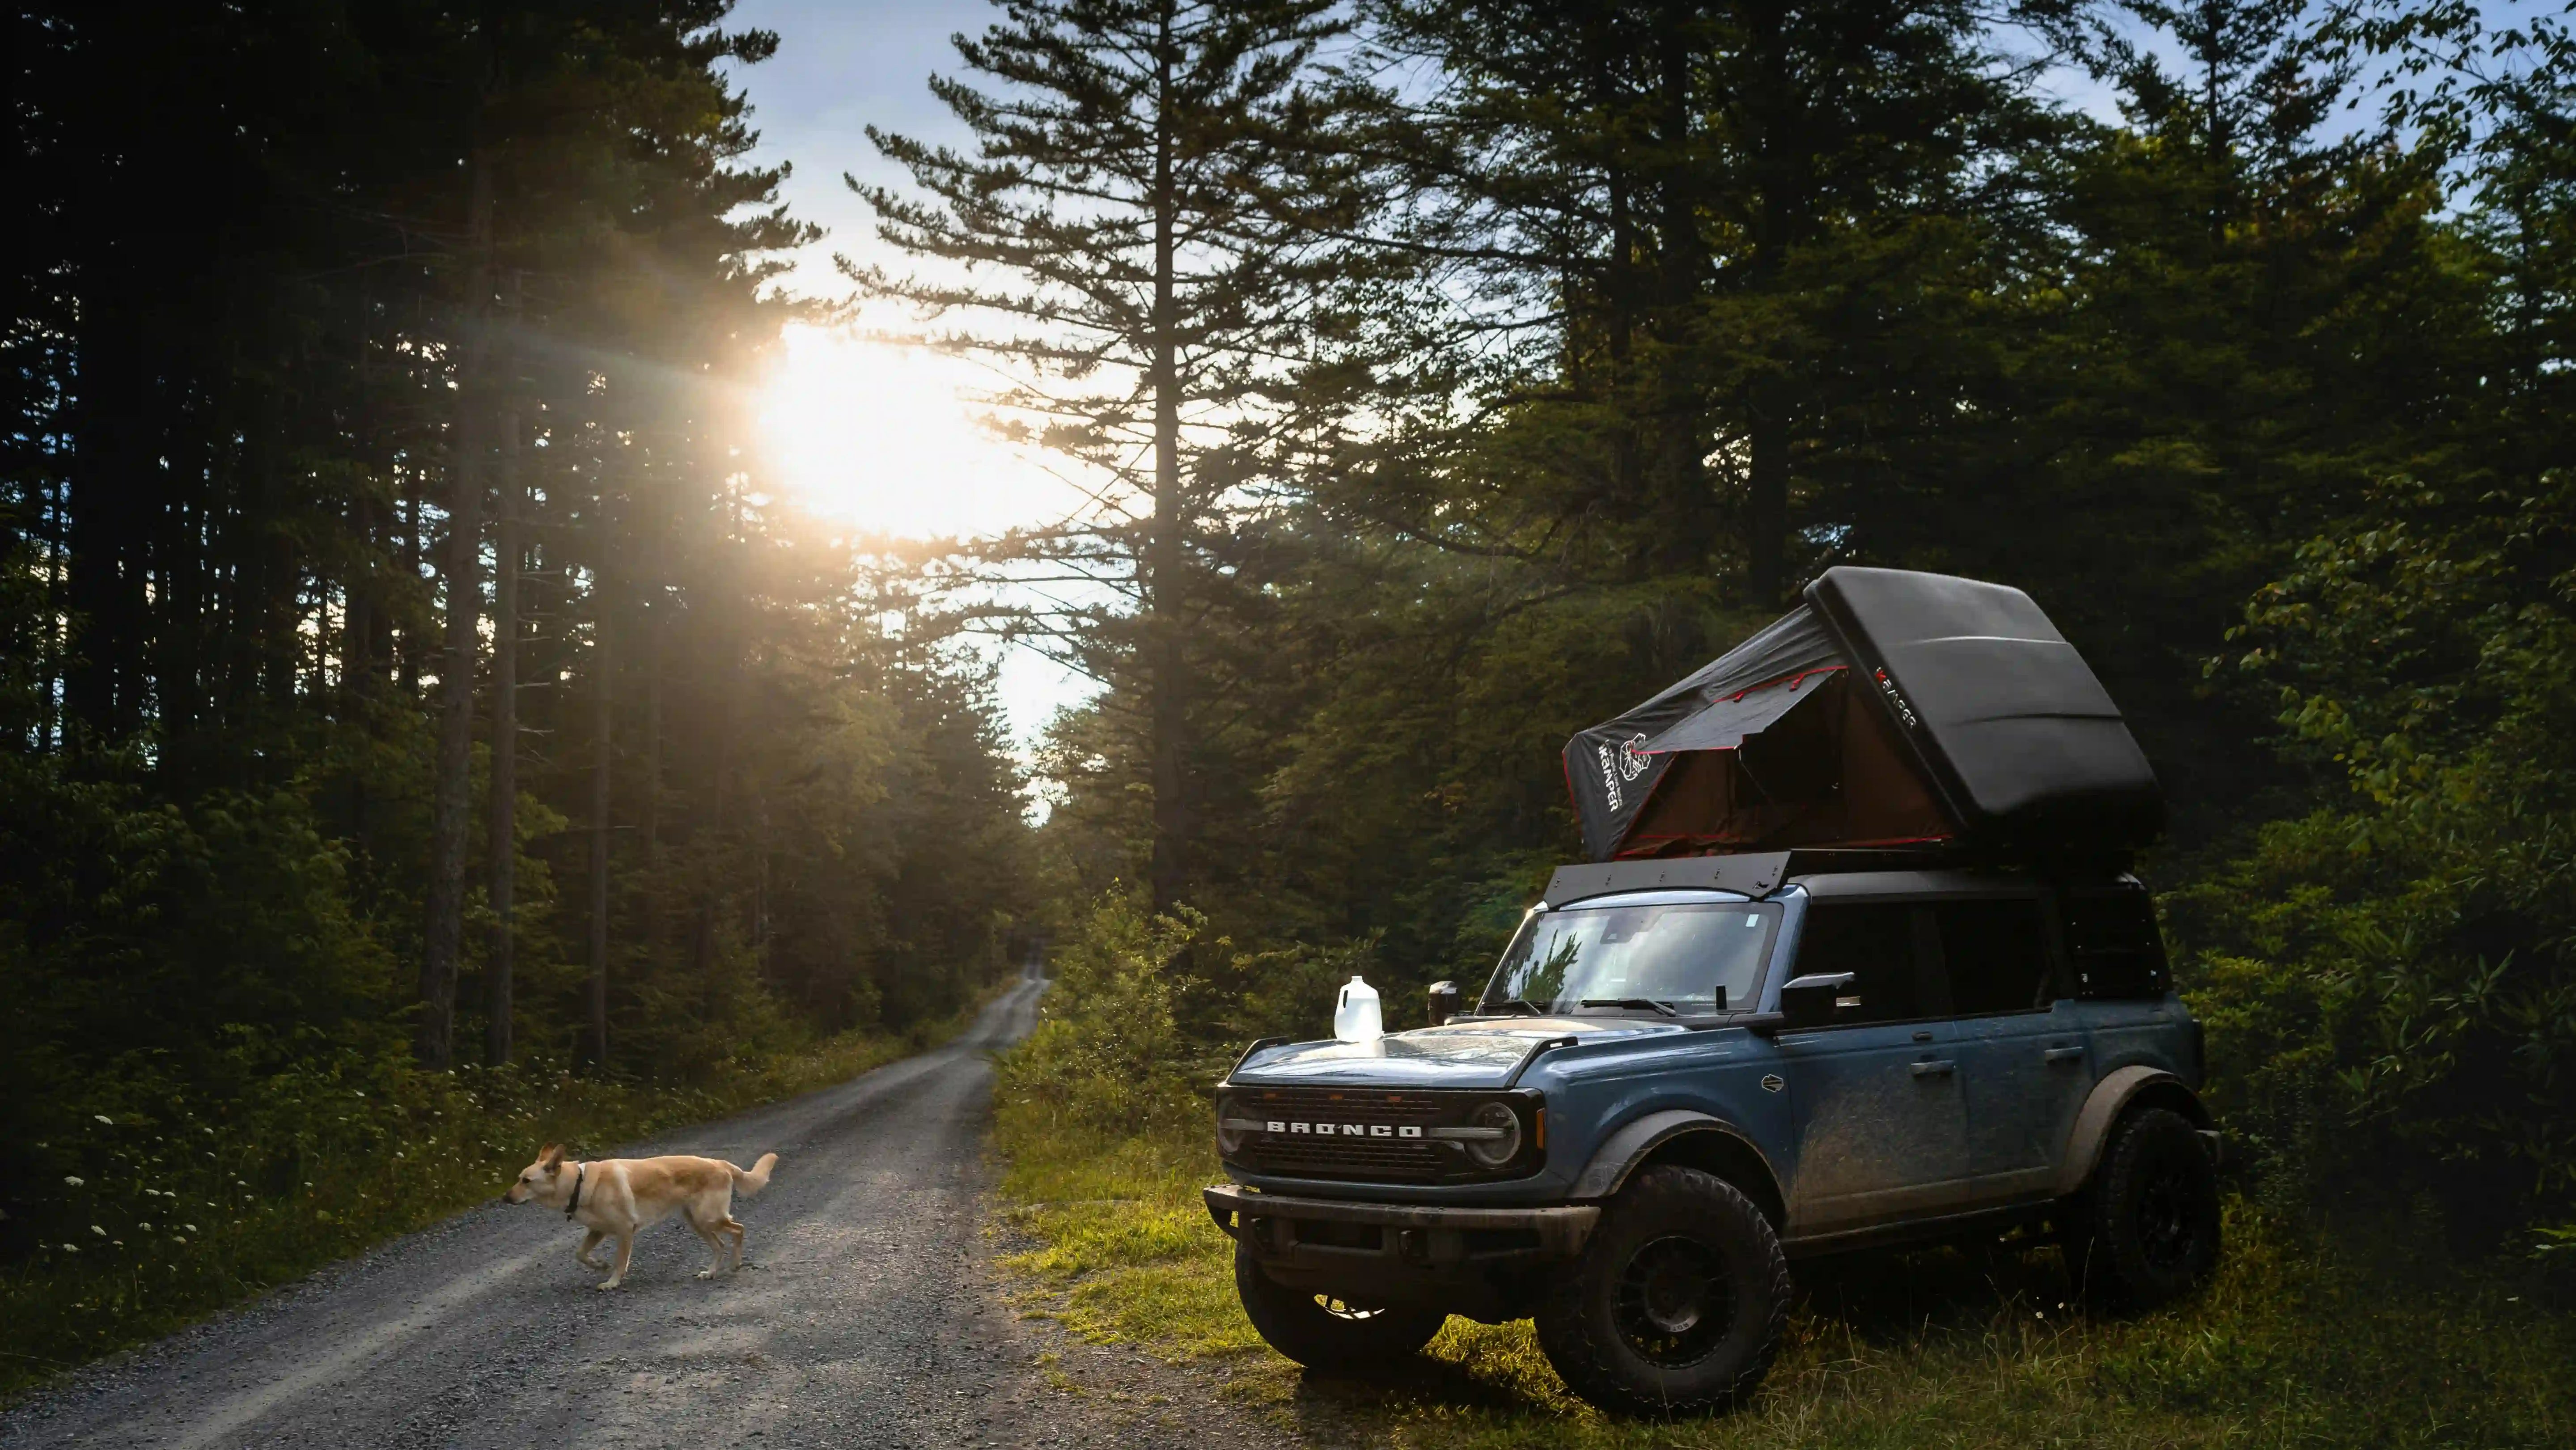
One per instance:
(94, 1228)
(104, 1118)
(74, 1182)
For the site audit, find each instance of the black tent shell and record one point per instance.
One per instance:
(2016, 732)
(1934, 708)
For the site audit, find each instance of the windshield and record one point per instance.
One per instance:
(1693, 958)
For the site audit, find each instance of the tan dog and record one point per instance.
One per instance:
(620, 1197)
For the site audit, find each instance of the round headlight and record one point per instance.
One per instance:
(1229, 1129)
(1503, 1142)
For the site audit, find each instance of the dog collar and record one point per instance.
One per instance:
(580, 1171)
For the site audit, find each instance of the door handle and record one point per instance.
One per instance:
(2061, 1054)
(1934, 1067)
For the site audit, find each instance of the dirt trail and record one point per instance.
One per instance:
(868, 1319)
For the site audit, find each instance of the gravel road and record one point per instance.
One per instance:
(868, 1317)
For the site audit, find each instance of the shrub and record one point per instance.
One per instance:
(2390, 982)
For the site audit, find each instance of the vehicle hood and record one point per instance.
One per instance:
(1467, 1054)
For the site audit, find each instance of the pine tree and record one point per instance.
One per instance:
(1136, 239)
(1725, 213)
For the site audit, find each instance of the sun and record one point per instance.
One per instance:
(883, 437)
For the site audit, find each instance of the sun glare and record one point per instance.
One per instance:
(882, 437)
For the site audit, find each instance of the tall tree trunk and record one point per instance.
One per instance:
(602, 675)
(602, 766)
(1166, 661)
(1685, 504)
(1618, 290)
(433, 1041)
(110, 507)
(1781, 190)
(1766, 514)
(504, 847)
(724, 618)
(408, 644)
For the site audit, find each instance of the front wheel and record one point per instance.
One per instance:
(1678, 1301)
(1321, 1331)
(2144, 1232)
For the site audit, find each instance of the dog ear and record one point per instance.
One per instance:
(550, 1156)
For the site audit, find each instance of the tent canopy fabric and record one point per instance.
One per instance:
(1891, 707)
(1727, 720)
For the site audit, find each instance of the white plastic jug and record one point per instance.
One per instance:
(1355, 1014)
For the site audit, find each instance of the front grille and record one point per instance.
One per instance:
(1342, 1154)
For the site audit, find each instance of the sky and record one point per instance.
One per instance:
(886, 438)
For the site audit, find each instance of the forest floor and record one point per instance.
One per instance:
(228, 1233)
(2296, 1343)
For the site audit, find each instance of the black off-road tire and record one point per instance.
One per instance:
(1677, 1304)
(2145, 1230)
(1335, 1336)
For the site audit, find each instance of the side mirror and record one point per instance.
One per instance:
(1808, 1001)
(1444, 1002)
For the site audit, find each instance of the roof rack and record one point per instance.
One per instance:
(1759, 873)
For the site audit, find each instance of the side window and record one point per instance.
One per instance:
(2111, 934)
(1997, 953)
(1882, 945)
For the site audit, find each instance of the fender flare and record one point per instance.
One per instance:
(1621, 1152)
(2110, 1098)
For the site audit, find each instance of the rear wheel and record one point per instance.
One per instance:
(2145, 1231)
(1324, 1331)
(1677, 1303)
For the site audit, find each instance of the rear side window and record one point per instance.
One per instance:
(2111, 934)
(1882, 945)
(1997, 953)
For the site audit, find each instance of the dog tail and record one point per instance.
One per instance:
(755, 1178)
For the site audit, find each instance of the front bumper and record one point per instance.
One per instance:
(1480, 1262)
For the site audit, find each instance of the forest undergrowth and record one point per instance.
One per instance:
(190, 1210)
(2362, 1339)
(2336, 1318)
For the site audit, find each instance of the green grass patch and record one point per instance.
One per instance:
(178, 1210)
(2298, 1343)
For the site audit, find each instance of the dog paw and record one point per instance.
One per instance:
(706, 1273)
(610, 1284)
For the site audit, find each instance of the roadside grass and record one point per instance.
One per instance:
(186, 1211)
(2297, 1343)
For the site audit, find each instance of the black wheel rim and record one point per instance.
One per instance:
(1674, 1302)
(2168, 1217)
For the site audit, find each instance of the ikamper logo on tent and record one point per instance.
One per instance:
(1617, 770)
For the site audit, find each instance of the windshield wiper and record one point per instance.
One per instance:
(1667, 1008)
(1531, 1008)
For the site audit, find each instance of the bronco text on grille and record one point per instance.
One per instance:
(1379, 1136)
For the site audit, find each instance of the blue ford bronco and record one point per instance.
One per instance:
(1692, 1068)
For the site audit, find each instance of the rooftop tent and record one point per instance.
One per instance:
(1891, 707)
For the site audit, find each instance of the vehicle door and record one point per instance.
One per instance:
(1875, 1096)
(2022, 1048)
